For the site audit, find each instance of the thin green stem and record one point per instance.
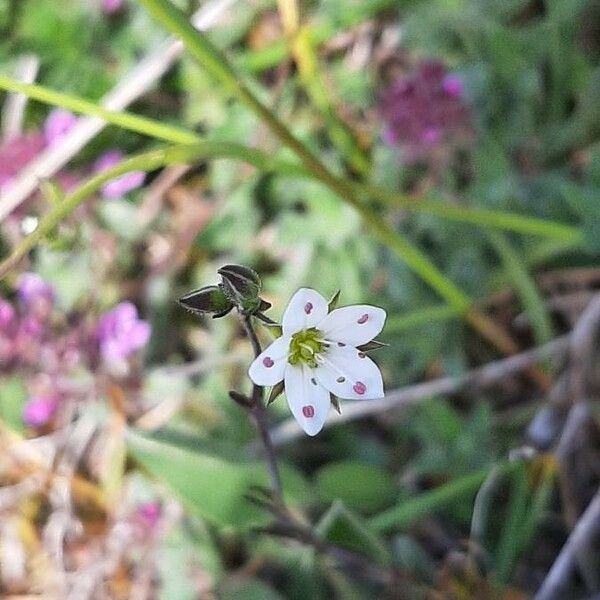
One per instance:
(142, 162)
(154, 129)
(483, 217)
(258, 413)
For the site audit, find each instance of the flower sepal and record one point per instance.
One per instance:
(276, 391)
(242, 286)
(372, 345)
(207, 300)
(335, 402)
(332, 304)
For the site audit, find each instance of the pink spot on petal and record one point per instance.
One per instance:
(308, 308)
(268, 362)
(359, 387)
(363, 319)
(308, 412)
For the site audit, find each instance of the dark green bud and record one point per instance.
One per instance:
(207, 300)
(242, 286)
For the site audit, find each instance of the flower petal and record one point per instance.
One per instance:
(348, 373)
(353, 325)
(308, 400)
(269, 365)
(307, 308)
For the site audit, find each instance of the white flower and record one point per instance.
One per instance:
(317, 355)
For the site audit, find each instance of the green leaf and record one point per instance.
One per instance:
(344, 528)
(407, 512)
(12, 399)
(508, 545)
(525, 286)
(584, 201)
(247, 589)
(410, 556)
(210, 487)
(359, 486)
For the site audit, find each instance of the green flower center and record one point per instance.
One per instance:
(306, 346)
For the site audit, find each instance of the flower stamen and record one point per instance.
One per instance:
(306, 347)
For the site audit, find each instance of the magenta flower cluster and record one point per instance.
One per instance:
(36, 342)
(121, 332)
(111, 7)
(17, 152)
(38, 410)
(424, 109)
(120, 186)
(22, 330)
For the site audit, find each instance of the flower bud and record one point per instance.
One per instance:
(242, 286)
(210, 299)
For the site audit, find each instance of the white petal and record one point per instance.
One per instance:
(350, 374)
(269, 366)
(307, 308)
(308, 400)
(353, 325)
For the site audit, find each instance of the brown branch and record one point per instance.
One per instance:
(259, 415)
(580, 538)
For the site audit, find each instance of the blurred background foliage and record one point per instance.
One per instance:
(398, 487)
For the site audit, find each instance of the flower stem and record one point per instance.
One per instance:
(259, 414)
(482, 217)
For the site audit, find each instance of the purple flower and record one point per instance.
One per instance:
(453, 85)
(424, 109)
(39, 410)
(7, 314)
(110, 7)
(16, 153)
(149, 513)
(120, 332)
(30, 327)
(119, 187)
(431, 136)
(33, 290)
(58, 124)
